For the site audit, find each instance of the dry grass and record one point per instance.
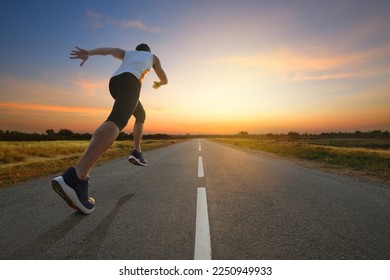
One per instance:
(23, 160)
(374, 163)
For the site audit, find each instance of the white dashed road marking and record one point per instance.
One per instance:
(202, 233)
(200, 167)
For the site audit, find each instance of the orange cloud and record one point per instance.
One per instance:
(38, 117)
(53, 108)
(67, 92)
(87, 88)
(315, 63)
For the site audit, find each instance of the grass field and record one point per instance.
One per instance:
(366, 157)
(23, 160)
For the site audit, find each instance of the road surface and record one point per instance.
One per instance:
(199, 199)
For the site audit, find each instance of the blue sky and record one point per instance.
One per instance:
(259, 66)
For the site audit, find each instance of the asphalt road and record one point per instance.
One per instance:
(257, 207)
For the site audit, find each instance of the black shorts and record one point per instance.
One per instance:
(125, 89)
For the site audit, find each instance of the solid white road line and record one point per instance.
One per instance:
(202, 233)
(200, 167)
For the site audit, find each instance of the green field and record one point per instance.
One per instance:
(366, 157)
(23, 160)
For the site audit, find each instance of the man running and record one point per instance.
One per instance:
(125, 88)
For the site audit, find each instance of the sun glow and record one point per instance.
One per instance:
(303, 74)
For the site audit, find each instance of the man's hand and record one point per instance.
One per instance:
(156, 85)
(80, 54)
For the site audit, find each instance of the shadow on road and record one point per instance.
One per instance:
(37, 248)
(89, 247)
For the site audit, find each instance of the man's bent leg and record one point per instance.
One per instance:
(102, 139)
(138, 131)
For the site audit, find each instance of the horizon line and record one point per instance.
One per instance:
(211, 134)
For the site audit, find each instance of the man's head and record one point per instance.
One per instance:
(143, 47)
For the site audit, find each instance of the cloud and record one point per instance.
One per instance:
(88, 87)
(315, 63)
(35, 117)
(137, 25)
(52, 108)
(98, 21)
(64, 91)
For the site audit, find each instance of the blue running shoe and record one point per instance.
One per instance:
(74, 191)
(137, 158)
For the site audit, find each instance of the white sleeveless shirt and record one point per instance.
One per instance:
(136, 63)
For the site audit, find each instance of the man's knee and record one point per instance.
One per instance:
(120, 122)
(140, 116)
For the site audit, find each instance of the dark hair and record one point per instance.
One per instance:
(143, 47)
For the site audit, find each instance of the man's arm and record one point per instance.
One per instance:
(115, 52)
(159, 72)
(84, 54)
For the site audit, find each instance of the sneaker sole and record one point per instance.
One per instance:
(136, 161)
(69, 195)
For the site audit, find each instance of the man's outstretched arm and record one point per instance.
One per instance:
(83, 54)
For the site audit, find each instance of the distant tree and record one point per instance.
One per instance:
(293, 134)
(50, 132)
(65, 133)
(385, 134)
(243, 133)
(375, 133)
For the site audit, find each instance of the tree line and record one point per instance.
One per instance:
(66, 134)
(296, 135)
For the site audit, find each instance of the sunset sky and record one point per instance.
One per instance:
(264, 66)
